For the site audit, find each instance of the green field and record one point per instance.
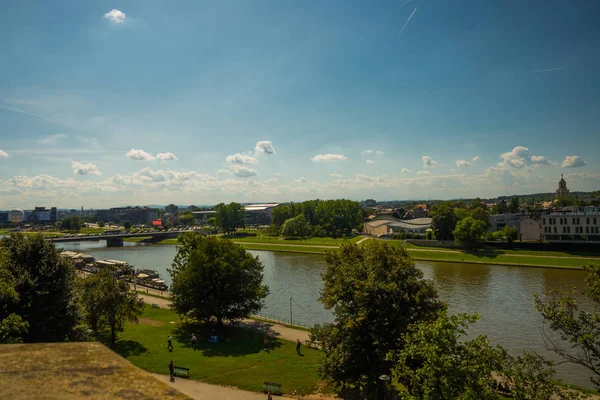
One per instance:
(238, 360)
(313, 241)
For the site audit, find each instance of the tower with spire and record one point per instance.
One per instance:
(562, 190)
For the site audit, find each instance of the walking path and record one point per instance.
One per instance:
(266, 328)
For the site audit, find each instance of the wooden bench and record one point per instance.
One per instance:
(272, 387)
(181, 371)
(310, 343)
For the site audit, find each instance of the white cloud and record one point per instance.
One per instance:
(139, 155)
(115, 16)
(164, 157)
(368, 151)
(463, 163)
(272, 180)
(334, 175)
(570, 162)
(517, 158)
(428, 162)
(423, 173)
(406, 171)
(370, 162)
(224, 172)
(243, 172)
(84, 169)
(3, 154)
(328, 157)
(379, 153)
(541, 160)
(301, 180)
(264, 147)
(241, 159)
(53, 139)
(475, 159)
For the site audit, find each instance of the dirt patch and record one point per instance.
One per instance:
(151, 322)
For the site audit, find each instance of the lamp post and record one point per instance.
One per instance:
(384, 379)
(291, 321)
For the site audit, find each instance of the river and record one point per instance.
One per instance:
(502, 295)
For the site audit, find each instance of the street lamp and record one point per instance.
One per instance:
(384, 379)
(291, 323)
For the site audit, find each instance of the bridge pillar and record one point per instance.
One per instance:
(114, 242)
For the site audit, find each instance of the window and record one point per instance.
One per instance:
(595, 223)
(564, 229)
(587, 221)
(587, 229)
(596, 229)
(555, 230)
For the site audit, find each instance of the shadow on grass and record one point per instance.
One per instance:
(479, 253)
(233, 340)
(124, 348)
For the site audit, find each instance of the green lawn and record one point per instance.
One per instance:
(287, 249)
(314, 241)
(238, 360)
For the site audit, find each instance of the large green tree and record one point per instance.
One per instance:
(110, 303)
(41, 289)
(443, 221)
(296, 227)
(514, 205)
(578, 326)
(469, 232)
(229, 217)
(214, 277)
(12, 326)
(375, 292)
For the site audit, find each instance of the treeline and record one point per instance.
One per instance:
(467, 224)
(333, 218)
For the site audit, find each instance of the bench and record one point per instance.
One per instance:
(310, 343)
(272, 387)
(181, 371)
(155, 306)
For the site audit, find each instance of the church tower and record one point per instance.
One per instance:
(562, 190)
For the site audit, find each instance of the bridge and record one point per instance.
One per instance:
(114, 240)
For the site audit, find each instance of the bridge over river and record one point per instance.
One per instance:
(116, 239)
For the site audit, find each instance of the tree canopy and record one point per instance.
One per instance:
(214, 277)
(229, 217)
(375, 292)
(443, 221)
(73, 224)
(469, 232)
(296, 227)
(38, 291)
(109, 303)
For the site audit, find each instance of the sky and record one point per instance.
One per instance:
(106, 104)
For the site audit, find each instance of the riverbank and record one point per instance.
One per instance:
(520, 258)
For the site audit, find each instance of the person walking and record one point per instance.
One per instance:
(265, 344)
(298, 344)
(269, 397)
(194, 340)
(170, 343)
(172, 371)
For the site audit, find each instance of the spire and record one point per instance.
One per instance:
(561, 176)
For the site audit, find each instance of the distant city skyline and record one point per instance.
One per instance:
(144, 102)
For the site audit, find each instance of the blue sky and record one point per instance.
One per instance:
(152, 102)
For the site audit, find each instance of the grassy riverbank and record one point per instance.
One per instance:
(238, 360)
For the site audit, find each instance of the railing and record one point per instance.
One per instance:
(279, 320)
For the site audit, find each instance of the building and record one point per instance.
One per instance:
(202, 217)
(135, 215)
(499, 221)
(574, 227)
(383, 225)
(41, 215)
(3, 217)
(562, 190)
(369, 203)
(258, 214)
(171, 209)
(530, 229)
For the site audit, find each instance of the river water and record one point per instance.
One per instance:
(502, 295)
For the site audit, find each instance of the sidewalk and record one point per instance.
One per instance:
(266, 328)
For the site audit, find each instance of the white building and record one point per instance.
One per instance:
(530, 229)
(575, 227)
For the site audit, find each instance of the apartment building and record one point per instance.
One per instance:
(572, 227)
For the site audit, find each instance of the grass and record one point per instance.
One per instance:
(137, 239)
(287, 249)
(314, 241)
(237, 360)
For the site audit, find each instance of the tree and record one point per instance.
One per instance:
(12, 326)
(127, 225)
(563, 202)
(41, 289)
(469, 232)
(375, 292)
(186, 219)
(500, 208)
(72, 224)
(229, 217)
(443, 221)
(580, 328)
(214, 277)
(101, 224)
(438, 363)
(296, 227)
(514, 205)
(109, 303)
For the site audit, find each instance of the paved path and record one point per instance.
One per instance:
(263, 327)
(362, 240)
(318, 246)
